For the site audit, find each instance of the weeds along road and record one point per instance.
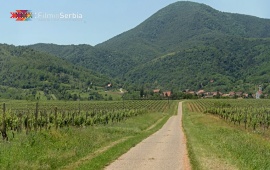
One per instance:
(165, 149)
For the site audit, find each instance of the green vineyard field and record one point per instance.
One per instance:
(253, 114)
(29, 116)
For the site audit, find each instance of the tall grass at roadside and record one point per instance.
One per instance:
(215, 144)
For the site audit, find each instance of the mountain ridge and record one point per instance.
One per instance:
(189, 31)
(191, 14)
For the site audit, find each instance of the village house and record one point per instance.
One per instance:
(225, 95)
(204, 94)
(156, 91)
(259, 93)
(239, 94)
(191, 92)
(200, 92)
(167, 94)
(109, 85)
(245, 95)
(217, 93)
(232, 93)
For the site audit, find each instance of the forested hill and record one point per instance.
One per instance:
(185, 45)
(233, 64)
(183, 25)
(25, 69)
(102, 61)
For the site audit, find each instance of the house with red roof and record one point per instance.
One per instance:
(167, 94)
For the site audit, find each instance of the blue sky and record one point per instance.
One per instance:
(102, 19)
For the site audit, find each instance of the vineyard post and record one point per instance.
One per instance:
(40, 124)
(4, 114)
(47, 119)
(265, 122)
(79, 105)
(26, 124)
(267, 119)
(169, 101)
(245, 121)
(123, 104)
(36, 117)
(55, 117)
(20, 124)
(4, 128)
(123, 101)
(73, 118)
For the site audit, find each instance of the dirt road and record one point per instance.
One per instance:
(164, 150)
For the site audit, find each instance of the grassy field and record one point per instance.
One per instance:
(216, 144)
(114, 94)
(90, 147)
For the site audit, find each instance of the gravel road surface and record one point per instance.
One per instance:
(164, 150)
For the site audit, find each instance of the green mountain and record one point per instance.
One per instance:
(102, 61)
(183, 25)
(233, 64)
(185, 45)
(25, 72)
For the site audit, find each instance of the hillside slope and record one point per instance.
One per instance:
(27, 69)
(182, 25)
(191, 44)
(232, 64)
(182, 46)
(102, 61)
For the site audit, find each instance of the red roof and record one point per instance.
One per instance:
(167, 93)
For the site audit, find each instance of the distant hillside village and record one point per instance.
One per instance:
(217, 94)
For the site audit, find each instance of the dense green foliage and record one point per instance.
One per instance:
(183, 46)
(233, 64)
(102, 61)
(24, 73)
(196, 44)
